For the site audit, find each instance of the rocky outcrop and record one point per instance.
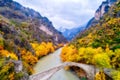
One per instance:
(11, 9)
(18, 68)
(104, 7)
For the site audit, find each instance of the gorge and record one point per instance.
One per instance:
(30, 41)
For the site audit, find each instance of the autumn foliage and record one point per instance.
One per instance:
(99, 45)
(7, 68)
(42, 49)
(28, 58)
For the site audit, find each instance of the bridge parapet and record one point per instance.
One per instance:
(46, 75)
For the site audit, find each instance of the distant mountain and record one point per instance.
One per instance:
(69, 34)
(41, 27)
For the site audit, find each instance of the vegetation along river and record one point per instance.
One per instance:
(53, 60)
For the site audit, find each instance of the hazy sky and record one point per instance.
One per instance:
(64, 13)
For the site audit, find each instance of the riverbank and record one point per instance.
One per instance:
(53, 60)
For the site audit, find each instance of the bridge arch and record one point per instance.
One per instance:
(46, 75)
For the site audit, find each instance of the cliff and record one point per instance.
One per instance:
(104, 7)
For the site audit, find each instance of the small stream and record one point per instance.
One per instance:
(53, 60)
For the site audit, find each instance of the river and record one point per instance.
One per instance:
(53, 60)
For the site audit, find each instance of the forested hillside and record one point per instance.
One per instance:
(99, 45)
(25, 36)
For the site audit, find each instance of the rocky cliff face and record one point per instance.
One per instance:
(11, 9)
(104, 7)
(40, 27)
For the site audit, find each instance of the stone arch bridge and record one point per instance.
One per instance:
(89, 69)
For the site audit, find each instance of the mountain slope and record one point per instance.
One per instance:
(98, 45)
(107, 19)
(25, 37)
(17, 13)
(103, 8)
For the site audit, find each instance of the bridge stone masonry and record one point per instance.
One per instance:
(90, 70)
